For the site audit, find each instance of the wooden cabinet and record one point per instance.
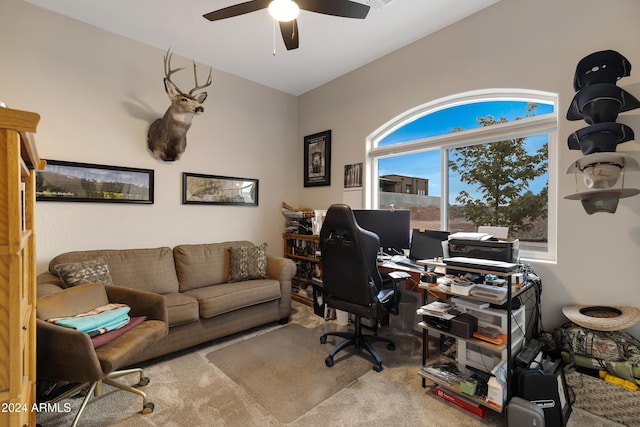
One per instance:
(18, 161)
(305, 252)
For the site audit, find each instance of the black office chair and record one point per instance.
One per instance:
(352, 282)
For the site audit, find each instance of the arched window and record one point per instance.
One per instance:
(478, 158)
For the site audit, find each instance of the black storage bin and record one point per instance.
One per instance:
(543, 388)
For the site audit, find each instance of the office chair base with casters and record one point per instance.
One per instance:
(88, 389)
(358, 340)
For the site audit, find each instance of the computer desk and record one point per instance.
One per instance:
(411, 284)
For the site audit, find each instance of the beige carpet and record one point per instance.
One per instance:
(283, 370)
(189, 390)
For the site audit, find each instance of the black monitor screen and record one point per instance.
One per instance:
(392, 227)
(427, 244)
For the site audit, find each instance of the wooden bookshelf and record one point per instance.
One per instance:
(302, 249)
(18, 161)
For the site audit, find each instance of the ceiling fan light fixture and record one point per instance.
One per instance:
(284, 10)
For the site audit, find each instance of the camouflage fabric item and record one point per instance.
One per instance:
(611, 346)
(606, 349)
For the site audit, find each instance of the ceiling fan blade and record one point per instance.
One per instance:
(237, 9)
(289, 31)
(343, 8)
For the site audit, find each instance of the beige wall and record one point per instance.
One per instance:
(97, 93)
(513, 44)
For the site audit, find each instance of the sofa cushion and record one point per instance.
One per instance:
(181, 309)
(82, 272)
(146, 269)
(226, 297)
(203, 265)
(248, 263)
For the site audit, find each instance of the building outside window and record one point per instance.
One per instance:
(478, 158)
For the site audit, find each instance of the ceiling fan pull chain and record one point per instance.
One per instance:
(274, 37)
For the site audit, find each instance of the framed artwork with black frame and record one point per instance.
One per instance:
(218, 190)
(62, 181)
(353, 175)
(317, 159)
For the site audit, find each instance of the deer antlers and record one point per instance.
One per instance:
(168, 72)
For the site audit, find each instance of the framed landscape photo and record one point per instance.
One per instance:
(86, 182)
(218, 190)
(317, 159)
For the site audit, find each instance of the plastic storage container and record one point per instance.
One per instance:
(407, 318)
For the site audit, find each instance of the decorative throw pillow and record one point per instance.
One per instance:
(79, 273)
(247, 263)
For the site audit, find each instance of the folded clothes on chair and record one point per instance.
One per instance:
(97, 321)
(107, 337)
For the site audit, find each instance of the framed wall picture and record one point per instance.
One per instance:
(218, 190)
(62, 181)
(317, 159)
(353, 175)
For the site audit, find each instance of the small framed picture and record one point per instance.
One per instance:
(353, 175)
(317, 159)
(218, 190)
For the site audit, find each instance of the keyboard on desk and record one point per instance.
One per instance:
(489, 292)
(406, 262)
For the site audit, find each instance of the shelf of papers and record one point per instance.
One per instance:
(484, 344)
(451, 383)
(469, 348)
(441, 292)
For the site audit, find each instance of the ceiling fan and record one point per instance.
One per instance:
(286, 12)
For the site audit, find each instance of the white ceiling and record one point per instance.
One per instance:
(244, 45)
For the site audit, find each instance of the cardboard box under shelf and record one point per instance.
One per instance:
(461, 401)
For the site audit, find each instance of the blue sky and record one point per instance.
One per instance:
(427, 164)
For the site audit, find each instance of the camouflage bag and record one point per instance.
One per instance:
(617, 352)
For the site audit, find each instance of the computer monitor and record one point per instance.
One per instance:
(427, 244)
(392, 227)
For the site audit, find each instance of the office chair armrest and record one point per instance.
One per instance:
(65, 354)
(399, 275)
(394, 294)
(142, 303)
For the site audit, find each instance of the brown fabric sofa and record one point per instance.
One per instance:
(202, 304)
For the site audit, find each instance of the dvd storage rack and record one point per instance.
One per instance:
(304, 250)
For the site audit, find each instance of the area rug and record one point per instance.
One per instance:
(604, 399)
(284, 370)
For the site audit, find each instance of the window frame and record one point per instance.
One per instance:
(525, 127)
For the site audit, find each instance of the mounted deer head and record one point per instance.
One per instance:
(167, 136)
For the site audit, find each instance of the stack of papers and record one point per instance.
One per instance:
(436, 309)
(471, 236)
(462, 287)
